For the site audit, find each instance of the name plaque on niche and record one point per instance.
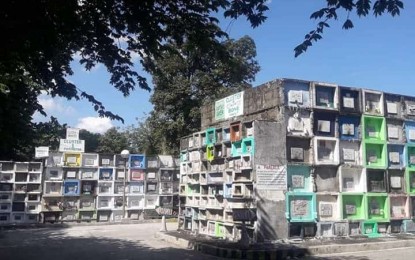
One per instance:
(348, 102)
(299, 208)
(395, 182)
(393, 132)
(348, 183)
(323, 126)
(348, 154)
(394, 157)
(297, 153)
(348, 129)
(392, 108)
(350, 209)
(326, 209)
(297, 181)
(295, 96)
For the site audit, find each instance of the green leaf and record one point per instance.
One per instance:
(348, 24)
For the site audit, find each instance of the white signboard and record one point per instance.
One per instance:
(66, 145)
(230, 106)
(271, 177)
(41, 152)
(72, 134)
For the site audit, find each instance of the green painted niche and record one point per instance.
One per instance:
(353, 206)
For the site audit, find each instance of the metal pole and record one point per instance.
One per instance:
(124, 182)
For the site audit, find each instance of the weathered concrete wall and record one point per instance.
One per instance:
(260, 103)
(326, 178)
(270, 150)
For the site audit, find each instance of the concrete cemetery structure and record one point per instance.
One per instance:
(294, 158)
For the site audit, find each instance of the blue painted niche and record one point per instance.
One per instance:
(349, 128)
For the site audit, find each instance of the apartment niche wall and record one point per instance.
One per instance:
(137, 161)
(378, 206)
(326, 150)
(70, 173)
(71, 188)
(410, 155)
(210, 136)
(396, 156)
(72, 159)
(409, 107)
(236, 149)
(349, 128)
(376, 180)
(55, 159)
(412, 206)
(106, 160)
(297, 94)
(89, 160)
(298, 150)
(350, 100)
(374, 128)
(325, 96)
(395, 131)
(235, 131)
(301, 230)
(247, 129)
(373, 102)
(298, 178)
(350, 153)
(324, 124)
(326, 179)
(184, 142)
(88, 187)
(393, 106)
(298, 123)
(399, 206)
(328, 207)
(396, 181)
(353, 206)
(301, 207)
(219, 135)
(410, 131)
(410, 181)
(374, 154)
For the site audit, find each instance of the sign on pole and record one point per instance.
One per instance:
(72, 133)
(41, 152)
(66, 145)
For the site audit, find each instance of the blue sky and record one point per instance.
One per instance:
(378, 53)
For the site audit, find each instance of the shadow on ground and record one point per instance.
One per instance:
(54, 244)
(335, 257)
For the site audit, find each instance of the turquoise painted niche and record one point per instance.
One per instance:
(210, 136)
(370, 228)
(236, 149)
(301, 207)
(248, 146)
(183, 156)
(298, 178)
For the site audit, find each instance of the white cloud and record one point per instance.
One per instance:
(55, 105)
(94, 124)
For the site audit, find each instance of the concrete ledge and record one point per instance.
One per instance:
(180, 242)
(283, 250)
(344, 248)
(63, 224)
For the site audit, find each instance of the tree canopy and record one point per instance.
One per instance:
(184, 78)
(41, 37)
(331, 12)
